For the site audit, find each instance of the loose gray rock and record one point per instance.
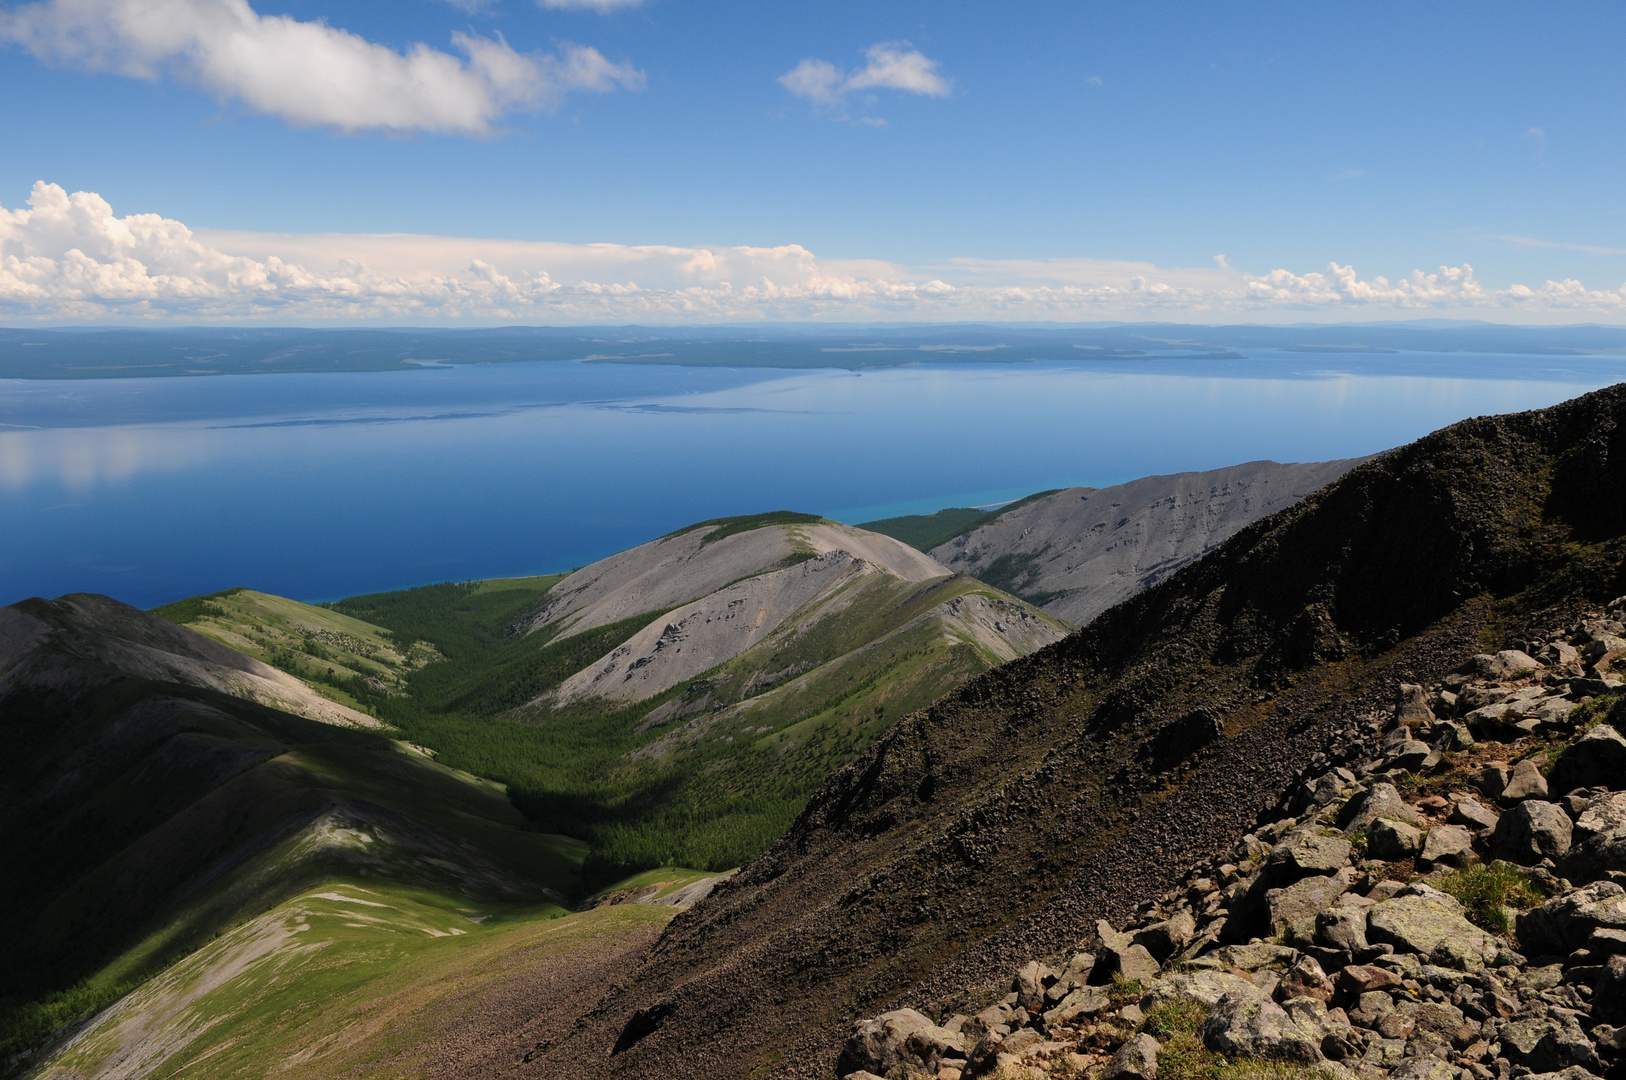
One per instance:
(1532, 831)
(1293, 910)
(1468, 812)
(1596, 759)
(1343, 929)
(1564, 923)
(1250, 1024)
(1411, 706)
(1507, 664)
(1164, 939)
(1389, 839)
(1449, 844)
(1525, 783)
(1029, 985)
(1135, 1060)
(1422, 922)
(1136, 962)
(881, 1043)
(1493, 778)
(1545, 1045)
(1598, 842)
(1410, 755)
(1380, 800)
(1303, 853)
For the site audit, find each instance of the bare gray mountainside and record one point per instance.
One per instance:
(782, 615)
(1078, 552)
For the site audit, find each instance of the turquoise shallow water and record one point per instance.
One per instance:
(320, 486)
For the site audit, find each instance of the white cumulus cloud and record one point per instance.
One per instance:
(310, 73)
(71, 257)
(893, 65)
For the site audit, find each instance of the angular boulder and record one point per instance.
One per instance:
(1542, 1044)
(1303, 853)
(1526, 782)
(1248, 1024)
(1411, 706)
(1421, 920)
(1293, 910)
(1598, 842)
(1393, 840)
(884, 1042)
(1596, 759)
(1164, 939)
(1565, 923)
(1380, 800)
(1135, 1060)
(1531, 831)
(1448, 844)
(1470, 814)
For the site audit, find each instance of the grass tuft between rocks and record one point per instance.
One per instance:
(1487, 890)
(1123, 991)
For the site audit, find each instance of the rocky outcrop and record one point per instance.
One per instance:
(1402, 961)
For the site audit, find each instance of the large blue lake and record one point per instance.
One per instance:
(321, 486)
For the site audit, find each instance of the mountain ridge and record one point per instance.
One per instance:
(999, 822)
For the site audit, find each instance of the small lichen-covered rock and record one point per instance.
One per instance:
(1449, 844)
(1526, 782)
(1135, 1060)
(1029, 985)
(1136, 963)
(1532, 831)
(1507, 664)
(1411, 705)
(1411, 755)
(1598, 842)
(1085, 1001)
(1564, 923)
(1251, 1025)
(1203, 986)
(1420, 922)
(1342, 928)
(1380, 800)
(1393, 840)
(1596, 759)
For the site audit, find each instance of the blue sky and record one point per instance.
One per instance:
(998, 151)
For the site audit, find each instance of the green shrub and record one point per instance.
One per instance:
(1181, 1015)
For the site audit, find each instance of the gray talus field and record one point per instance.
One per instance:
(1077, 552)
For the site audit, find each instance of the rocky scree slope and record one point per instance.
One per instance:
(1447, 905)
(1002, 822)
(1077, 552)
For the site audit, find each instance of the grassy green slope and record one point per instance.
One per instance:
(357, 979)
(142, 818)
(706, 774)
(343, 658)
(926, 531)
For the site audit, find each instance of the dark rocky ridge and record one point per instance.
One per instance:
(1000, 823)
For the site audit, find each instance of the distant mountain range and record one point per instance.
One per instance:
(110, 352)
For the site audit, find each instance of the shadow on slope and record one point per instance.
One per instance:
(141, 815)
